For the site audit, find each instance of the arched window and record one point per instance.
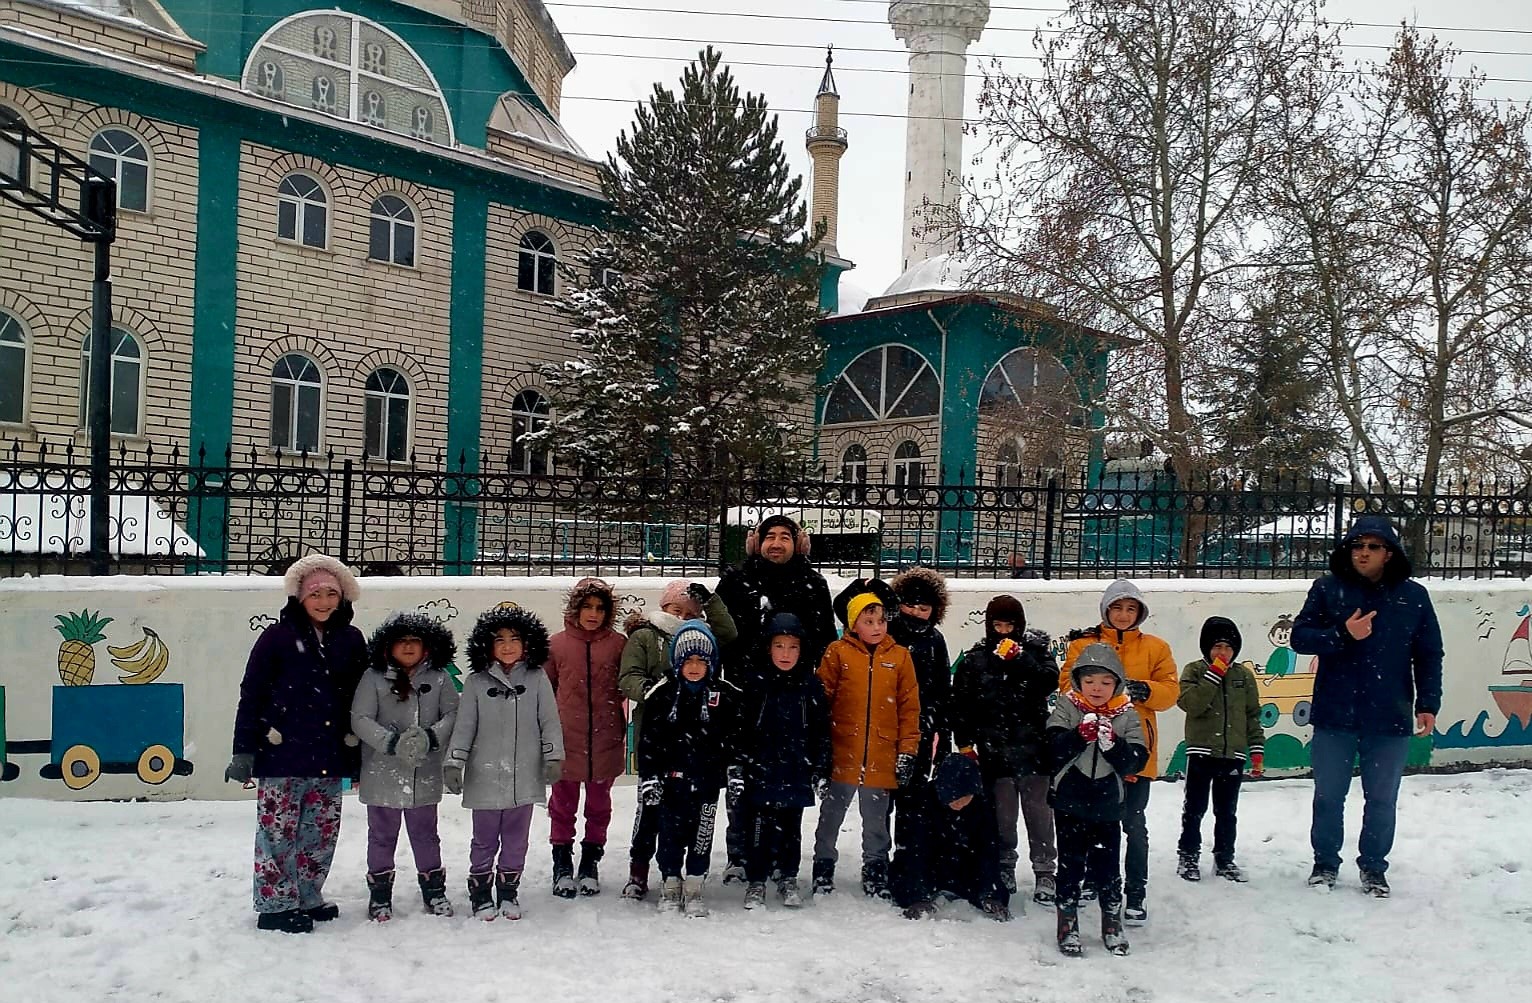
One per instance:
(269, 80)
(388, 415)
(127, 382)
(853, 464)
(1008, 464)
(122, 156)
(1033, 386)
(536, 263)
(296, 390)
(909, 471)
(529, 413)
(392, 235)
(11, 167)
(13, 370)
(887, 382)
(303, 213)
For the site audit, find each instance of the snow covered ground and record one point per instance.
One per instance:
(131, 902)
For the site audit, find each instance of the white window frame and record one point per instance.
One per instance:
(904, 466)
(378, 215)
(857, 468)
(14, 337)
(117, 162)
(528, 419)
(119, 335)
(538, 256)
(296, 386)
(300, 203)
(383, 397)
(880, 412)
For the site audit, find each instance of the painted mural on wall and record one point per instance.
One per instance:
(136, 726)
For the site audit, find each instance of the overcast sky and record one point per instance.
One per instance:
(624, 46)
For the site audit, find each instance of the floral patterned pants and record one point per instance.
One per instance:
(297, 824)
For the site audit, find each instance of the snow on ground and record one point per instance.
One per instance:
(150, 901)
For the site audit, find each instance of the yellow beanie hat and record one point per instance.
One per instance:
(857, 604)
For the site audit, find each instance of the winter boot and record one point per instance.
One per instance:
(1322, 875)
(1134, 913)
(920, 910)
(1111, 926)
(590, 856)
(1069, 929)
(380, 896)
(433, 892)
(1230, 870)
(506, 885)
(734, 873)
(638, 882)
(755, 895)
(791, 896)
(1087, 892)
(670, 895)
(824, 876)
(1188, 868)
(1008, 879)
(1044, 890)
(1375, 884)
(563, 870)
(481, 895)
(287, 921)
(875, 880)
(323, 912)
(694, 906)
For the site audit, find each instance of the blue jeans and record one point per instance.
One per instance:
(1382, 758)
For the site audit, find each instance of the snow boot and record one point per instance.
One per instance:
(1230, 871)
(694, 906)
(380, 896)
(1044, 889)
(791, 896)
(1008, 879)
(755, 895)
(506, 885)
(1375, 884)
(670, 895)
(481, 895)
(824, 876)
(1112, 935)
(433, 892)
(920, 910)
(734, 873)
(323, 912)
(563, 870)
(1069, 928)
(875, 880)
(1188, 868)
(1322, 875)
(1135, 913)
(590, 856)
(287, 921)
(638, 882)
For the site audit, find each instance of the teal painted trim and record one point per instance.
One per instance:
(829, 287)
(213, 315)
(24, 67)
(465, 373)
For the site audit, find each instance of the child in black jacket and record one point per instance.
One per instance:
(784, 755)
(956, 855)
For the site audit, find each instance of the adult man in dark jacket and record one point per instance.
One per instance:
(775, 577)
(1380, 676)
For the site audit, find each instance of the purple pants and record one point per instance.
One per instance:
(383, 837)
(564, 800)
(503, 829)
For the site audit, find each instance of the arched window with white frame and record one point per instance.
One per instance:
(13, 370)
(391, 235)
(887, 382)
(127, 383)
(529, 413)
(297, 391)
(909, 468)
(303, 211)
(387, 421)
(1008, 464)
(1032, 386)
(536, 263)
(853, 464)
(124, 158)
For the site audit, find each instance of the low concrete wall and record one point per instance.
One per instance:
(153, 717)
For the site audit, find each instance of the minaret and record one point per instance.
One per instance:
(938, 34)
(826, 142)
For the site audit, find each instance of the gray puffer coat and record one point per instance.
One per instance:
(378, 717)
(507, 728)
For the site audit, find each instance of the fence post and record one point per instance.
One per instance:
(1339, 529)
(345, 512)
(1052, 498)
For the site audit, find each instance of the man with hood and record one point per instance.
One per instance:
(1379, 679)
(1153, 683)
(775, 577)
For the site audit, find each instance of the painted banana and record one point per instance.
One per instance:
(143, 662)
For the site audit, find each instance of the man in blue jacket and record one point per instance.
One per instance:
(1380, 676)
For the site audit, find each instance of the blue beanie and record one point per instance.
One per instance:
(693, 638)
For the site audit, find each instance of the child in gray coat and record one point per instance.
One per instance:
(506, 745)
(403, 712)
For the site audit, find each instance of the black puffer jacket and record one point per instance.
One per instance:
(933, 676)
(1000, 706)
(757, 589)
(784, 736)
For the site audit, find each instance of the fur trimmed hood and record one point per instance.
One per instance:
(534, 637)
(441, 649)
(584, 589)
(925, 585)
(350, 589)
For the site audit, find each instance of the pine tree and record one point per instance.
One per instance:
(696, 343)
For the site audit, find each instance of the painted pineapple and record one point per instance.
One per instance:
(77, 657)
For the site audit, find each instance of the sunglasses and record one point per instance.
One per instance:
(1368, 546)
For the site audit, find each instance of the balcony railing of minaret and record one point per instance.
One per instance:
(833, 134)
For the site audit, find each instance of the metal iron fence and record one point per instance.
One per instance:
(256, 511)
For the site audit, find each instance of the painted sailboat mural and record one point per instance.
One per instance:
(1513, 695)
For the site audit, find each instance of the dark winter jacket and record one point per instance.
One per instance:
(583, 667)
(646, 652)
(689, 734)
(757, 589)
(1377, 685)
(1223, 713)
(784, 736)
(950, 851)
(1087, 781)
(933, 666)
(301, 688)
(1000, 705)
